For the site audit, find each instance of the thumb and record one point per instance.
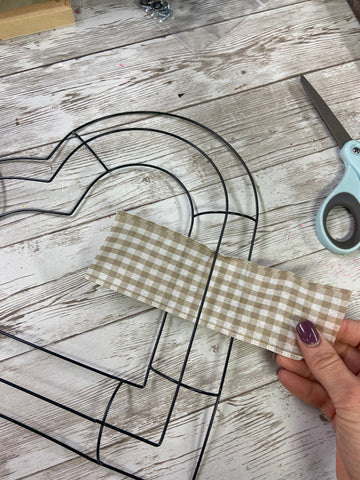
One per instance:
(326, 365)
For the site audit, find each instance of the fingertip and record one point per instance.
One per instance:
(307, 333)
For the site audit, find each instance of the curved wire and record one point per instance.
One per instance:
(177, 381)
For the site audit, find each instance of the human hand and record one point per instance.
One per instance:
(329, 378)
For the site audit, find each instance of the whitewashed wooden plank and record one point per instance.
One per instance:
(260, 115)
(264, 434)
(279, 136)
(130, 411)
(281, 190)
(67, 94)
(111, 24)
(259, 442)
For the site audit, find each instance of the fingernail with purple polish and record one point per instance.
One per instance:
(308, 333)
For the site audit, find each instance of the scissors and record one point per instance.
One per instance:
(347, 192)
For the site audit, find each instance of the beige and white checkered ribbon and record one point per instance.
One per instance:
(252, 303)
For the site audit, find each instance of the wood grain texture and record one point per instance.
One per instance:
(68, 93)
(245, 86)
(109, 25)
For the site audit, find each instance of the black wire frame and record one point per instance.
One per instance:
(150, 368)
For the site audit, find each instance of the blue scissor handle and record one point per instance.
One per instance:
(346, 195)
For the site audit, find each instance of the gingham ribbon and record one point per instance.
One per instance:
(252, 303)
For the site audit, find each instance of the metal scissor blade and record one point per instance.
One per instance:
(336, 129)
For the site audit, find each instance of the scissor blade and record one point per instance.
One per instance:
(336, 129)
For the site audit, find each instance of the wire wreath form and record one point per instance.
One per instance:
(179, 380)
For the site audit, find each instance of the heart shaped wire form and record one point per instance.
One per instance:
(98, 145)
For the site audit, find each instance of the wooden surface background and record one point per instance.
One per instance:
(236, 68)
